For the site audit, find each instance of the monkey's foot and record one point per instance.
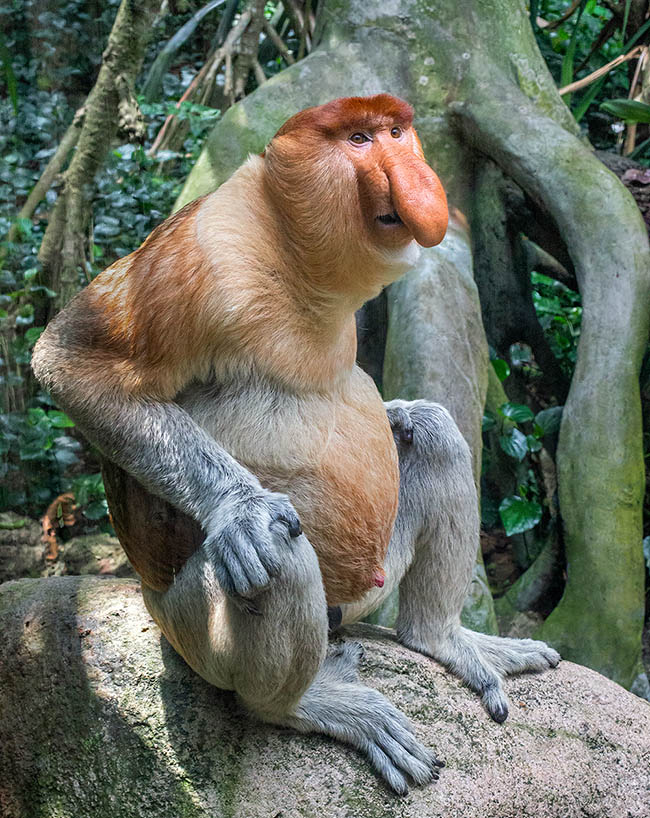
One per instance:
(511, 656)
(339, 706)
(481, 661)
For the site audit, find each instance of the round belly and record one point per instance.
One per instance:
(347, 496)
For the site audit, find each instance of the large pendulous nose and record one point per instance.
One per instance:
(418, 197)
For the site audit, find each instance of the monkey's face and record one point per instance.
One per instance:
(358, 165)
(401, 197)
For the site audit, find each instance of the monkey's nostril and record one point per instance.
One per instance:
(390, 218)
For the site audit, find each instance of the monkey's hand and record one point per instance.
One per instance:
(246, 540)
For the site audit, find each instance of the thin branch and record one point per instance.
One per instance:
(541, 261)
(630, 133)
(585, 81)
(278, 42)
(225, 51)
(549, 25)
(299, 26)
(153, 82)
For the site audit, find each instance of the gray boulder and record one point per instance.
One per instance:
(99, 717)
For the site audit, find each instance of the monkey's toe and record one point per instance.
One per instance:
(495, 703)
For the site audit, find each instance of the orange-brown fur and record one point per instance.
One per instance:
(260, 280)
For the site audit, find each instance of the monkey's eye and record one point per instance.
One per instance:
(358, 138)
(396, 132)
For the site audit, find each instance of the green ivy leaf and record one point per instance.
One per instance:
(518, 514)
(488, 422)
(501, 368)
(60, 420)
(35, 415)
(33, 334)
(534, 445)
(514, 444)
(517, 412)
(549, 420)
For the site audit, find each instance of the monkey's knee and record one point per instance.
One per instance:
(268, 648)
(278, 652)
(426, 434)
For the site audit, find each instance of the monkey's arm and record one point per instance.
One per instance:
(114, 402)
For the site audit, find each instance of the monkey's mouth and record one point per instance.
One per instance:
(390, 218)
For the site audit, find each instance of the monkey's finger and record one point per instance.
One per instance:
(229, 570)
(495, 703)
(250, 560)
(263, 540)
(287, 515)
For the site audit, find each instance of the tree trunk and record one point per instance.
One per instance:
(477, 81)
(109, 104)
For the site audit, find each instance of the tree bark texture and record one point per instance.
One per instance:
(62, 251)
(480, 88)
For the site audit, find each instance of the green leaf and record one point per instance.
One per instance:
(96, 510)
(41, 288)
(549, 420)
(514, 444)
(628, 109)
(35, 415)
(60, 420)
(520, 354)
(534, 445)
(517, 412)
(488, 422)
(33, 334)
(501, 368)
(518, 514)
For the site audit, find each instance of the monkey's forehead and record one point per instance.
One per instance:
(348, 113)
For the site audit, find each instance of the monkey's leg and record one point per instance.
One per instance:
(437, 531)
(273, 653)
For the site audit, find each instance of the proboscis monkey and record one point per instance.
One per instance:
(215, 369)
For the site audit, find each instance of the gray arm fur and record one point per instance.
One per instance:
(164, 449)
